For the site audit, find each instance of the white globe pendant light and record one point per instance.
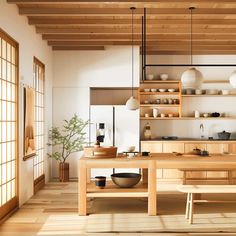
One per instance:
(132, 103)
(191, 78)
(232, 79)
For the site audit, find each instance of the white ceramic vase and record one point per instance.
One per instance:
(155, 112)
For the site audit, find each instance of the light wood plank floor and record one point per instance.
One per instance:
(53, 211)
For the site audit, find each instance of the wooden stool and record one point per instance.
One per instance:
(191, 190)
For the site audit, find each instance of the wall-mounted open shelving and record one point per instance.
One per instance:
(188, 118)
(208, 95)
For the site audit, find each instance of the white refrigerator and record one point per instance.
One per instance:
(121, 130)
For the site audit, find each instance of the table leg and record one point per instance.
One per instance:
(145, 175)
(230, 177)
(152, 205)
(82, 189)
(88, 175)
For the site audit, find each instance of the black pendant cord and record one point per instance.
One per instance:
(191, 34)
(132, 56)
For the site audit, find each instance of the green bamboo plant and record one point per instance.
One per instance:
(69, 139)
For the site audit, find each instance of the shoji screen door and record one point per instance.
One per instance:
(39, 177)
(8, 123)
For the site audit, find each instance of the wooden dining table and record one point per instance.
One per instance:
(147, 187)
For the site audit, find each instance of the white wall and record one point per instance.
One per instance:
(30, 45)
(76, 71)
(190, 128)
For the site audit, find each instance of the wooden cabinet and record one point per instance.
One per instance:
(169, 147)
(188, 148)
(217, 148)
(232, 149)
(151, 146)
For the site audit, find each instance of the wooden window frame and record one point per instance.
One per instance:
(39, 182)
(11, 205)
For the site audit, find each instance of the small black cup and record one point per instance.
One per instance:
(100, 181)
(145, 154)
(204, 153)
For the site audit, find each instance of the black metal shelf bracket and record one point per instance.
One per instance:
(144, 54)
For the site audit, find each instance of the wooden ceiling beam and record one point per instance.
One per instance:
(104, 37)
(37, 11)
(119, 1)
(209, 44)
(204, 52)
(127, 30)
(81, 48)
(108, 21)
(159, 47)
(195, 48)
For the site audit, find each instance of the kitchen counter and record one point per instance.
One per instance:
(191, 140)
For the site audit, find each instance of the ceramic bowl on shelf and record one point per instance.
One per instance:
(215, 114)
(146, 102)
(225, 92)
(170, 115)
(171, 90)
(153, 90)
(146, 90)
(150, 76)
(212, 91)
(162, 90)
(198, 91)
(164, 76)
(189, 91)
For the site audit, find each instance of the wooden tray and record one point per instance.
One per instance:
(100, 152)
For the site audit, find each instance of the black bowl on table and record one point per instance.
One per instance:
(125, 180)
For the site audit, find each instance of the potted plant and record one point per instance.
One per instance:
(65, 141)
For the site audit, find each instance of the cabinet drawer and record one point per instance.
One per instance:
(172, 174)
(189, 147)
(217, 148)
(232, 148)
(154, 147)
(169, 147)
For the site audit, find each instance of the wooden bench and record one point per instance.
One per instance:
(229, 175)
(191, 190)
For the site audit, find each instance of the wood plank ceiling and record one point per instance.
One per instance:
(95, 24)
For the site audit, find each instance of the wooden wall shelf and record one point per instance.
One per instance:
(175, 81)
(159, 81)
(208, 95)
(188, 118)
(159, 93)
(147, 108)
(159, 105)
